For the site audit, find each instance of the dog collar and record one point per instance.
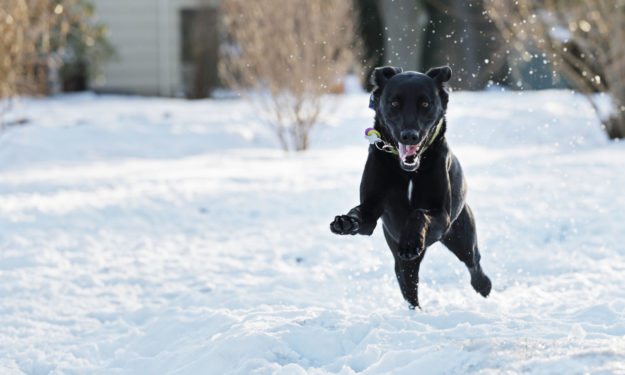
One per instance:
(375, 138)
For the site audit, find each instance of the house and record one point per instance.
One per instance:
(163, 47)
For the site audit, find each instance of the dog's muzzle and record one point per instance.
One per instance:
(409, 156)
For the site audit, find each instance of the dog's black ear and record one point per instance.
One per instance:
(381, 75)
(440, 75)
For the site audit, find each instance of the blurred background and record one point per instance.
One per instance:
(196, 48)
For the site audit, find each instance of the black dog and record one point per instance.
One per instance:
(412, 180)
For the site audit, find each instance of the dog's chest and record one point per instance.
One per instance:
(411, 193)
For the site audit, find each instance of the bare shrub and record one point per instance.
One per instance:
(14, 24)
(584, 40)
(289, 54)
(37, 36)
(27, 38)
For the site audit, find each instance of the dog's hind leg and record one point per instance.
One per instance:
(461, 239)
(407, 272)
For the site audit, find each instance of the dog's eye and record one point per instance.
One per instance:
(395, 104)
(425, 104)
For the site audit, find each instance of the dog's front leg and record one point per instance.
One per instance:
(421, 228)
(425, 226)
(439, 222)
(359, 220)
(347, 224)
(412, 240)
(363, 218)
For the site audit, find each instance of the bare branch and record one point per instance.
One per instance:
(289, 54)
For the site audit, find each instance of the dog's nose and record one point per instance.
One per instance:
(409, 137)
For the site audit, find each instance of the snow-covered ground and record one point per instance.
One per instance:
(158, 236)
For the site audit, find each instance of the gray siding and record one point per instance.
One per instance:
(146, 36)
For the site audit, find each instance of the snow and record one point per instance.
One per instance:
(162, 236)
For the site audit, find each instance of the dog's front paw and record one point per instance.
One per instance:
(408, 252)
(344, 224)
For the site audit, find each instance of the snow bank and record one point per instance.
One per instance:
(157, 236)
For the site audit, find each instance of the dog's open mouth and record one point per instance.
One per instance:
(409, 156)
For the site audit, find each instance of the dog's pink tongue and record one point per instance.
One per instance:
(407, 150)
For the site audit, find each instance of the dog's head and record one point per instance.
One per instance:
(408, 107)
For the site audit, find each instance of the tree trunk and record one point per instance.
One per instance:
(460, 35)
(615, 126)
(404, 35)
(613, 123)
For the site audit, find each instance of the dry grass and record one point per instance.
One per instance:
(290, 54)
(584, 40)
